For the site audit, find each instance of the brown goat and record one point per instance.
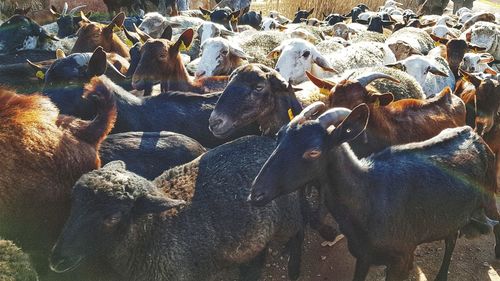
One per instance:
(398, 122)
(92, 35)
(42, 17)
(43, 154)
(161, 62)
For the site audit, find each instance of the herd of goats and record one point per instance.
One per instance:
(179, 147)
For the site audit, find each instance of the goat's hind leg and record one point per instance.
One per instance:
(450, 242)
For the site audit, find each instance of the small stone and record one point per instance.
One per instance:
(323, 258)
(486, 264)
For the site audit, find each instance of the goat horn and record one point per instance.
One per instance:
(366, 79)
(76, 9)
(65, 9)
(309, 111)
(333, 116)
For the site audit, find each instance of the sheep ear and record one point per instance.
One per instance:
(117, 22)
(183, 42)
(434, 70)
(152, 204)
(323, 63)
(469, 77)
(118, 164)
(486, 58)
(438, 39)
(237, 51)
(381, 99)
(98, 63)
(396, 65)
(352, 126)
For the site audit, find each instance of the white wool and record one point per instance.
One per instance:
(269, 24)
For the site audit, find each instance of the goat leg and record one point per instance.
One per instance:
(448, 252)
(252, 270)
(295, 255)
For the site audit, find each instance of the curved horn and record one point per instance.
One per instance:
(65, 9)
(309, 111)
(366, 79)
(333, 116)
(76, 9)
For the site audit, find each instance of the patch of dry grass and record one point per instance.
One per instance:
(289, 7)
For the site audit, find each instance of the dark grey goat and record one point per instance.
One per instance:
(389, 203)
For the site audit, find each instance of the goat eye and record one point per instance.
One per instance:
(306, 54)
(312, 154)
(259, 88)
(224, 53)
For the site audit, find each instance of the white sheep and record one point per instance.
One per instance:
(477, 63)
(485, 35)
(296, 56)
(432, 73)
(154, 24)
(220, 56)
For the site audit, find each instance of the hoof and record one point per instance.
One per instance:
(293, 273)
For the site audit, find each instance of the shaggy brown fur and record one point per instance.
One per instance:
(43, 154)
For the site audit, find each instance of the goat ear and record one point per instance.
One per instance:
(396, 65)
(39, 70)
(274, 54)
(311, 11)
(183, 42)
(475, 48)
(153, 204)
(205, 11)
(117, 21)
(489, 70)
(352, 126)
(381, 99)
(98, 63)
(167, 33)
(438, 39)
(471, 78)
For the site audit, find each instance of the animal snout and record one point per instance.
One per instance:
(215, 122)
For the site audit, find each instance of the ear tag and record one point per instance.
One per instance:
(183, 47)
(128, 42)
(116, 28)
(376, 103)
(276, 55)
(290, 114)
(234, 18)
(324, 91)
(437, 43)
(40, 75)
(207, 17)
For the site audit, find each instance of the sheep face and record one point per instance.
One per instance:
(21, 33)
(153, 24)
(104, 204)
(218, 57)
(474, 63)
(403, 50)
(419, 67)
(269, 24)
(301, 153)
(297, 56)
(250, 95)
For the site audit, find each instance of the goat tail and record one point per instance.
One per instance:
(99, 90)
